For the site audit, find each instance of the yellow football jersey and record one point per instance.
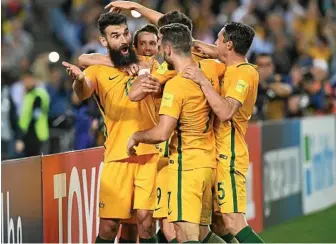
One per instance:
(163, 74)
(240, 83)
(193, 144)
(121, 116)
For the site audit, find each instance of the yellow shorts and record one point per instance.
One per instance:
(190, 196)
(161, 206)
(125, 186)
(231, 189)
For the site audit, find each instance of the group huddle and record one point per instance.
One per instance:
(175, 112)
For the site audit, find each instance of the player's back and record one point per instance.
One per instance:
(122, 117)
(192, 146)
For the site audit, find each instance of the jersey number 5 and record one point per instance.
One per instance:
(220, 190)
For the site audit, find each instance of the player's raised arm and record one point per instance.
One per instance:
(82, 86)
(206, 48)
(150, 14)
(86, 60)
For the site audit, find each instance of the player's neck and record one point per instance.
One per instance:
(181, 62)
(235, 59)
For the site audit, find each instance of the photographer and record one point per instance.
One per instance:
(274, 89)
(300, 99)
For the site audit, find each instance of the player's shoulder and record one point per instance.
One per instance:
(211, 63)
(248, 68)
(177, 79)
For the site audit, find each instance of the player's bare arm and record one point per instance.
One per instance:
(155, 135)
(143, 86)
(86, 60)
(82, 87)
(206, 48)
(224, 108)
(150, 14)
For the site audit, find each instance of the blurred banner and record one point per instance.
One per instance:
(70, 196)
(21, 201)
(281, 171)
(254, 212)
(319, 164)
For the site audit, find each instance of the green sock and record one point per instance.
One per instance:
(100, 240)
(161, 237)
(150, 240)
(121, 240)
(228, 238)
(213, 238)
(174, 241)
(247, 235)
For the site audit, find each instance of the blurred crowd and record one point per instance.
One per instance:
(294, 48)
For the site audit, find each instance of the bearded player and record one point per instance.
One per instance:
(126, 183)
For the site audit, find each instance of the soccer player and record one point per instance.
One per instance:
(145, 42)
(126, 183)
(233, 108)
(162, 74)
(192, 163)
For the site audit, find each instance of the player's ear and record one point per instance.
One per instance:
(229, 45)
(169, 51)
(103, 41)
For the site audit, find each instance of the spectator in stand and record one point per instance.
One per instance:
(9, 126)
(18, 45)
(33, 120)
(58, 95)
(85, 125)
(300, 98)
(275, 88)
(321, 88)
(93, 45)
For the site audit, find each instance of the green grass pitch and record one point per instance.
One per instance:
(318, 228)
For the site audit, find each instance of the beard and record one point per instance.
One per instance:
(119, 59)
(168, 61)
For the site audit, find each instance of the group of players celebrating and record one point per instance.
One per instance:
(175, 148)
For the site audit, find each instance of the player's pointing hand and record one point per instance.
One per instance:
(73, 71)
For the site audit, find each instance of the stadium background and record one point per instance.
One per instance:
(293, 165)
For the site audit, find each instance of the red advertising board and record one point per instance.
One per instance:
(254, 212)
(70, 196)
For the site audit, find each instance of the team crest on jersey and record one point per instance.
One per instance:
(162, 68)
(241, 86)
(167, 100)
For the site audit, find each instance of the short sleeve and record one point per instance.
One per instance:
(91, 77)
(172, 100)
(240, 85)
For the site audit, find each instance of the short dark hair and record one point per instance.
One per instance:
(175, 17)
(178, 35)
(264, 55)
(240, 34)
(107, 19)
(147, 28)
